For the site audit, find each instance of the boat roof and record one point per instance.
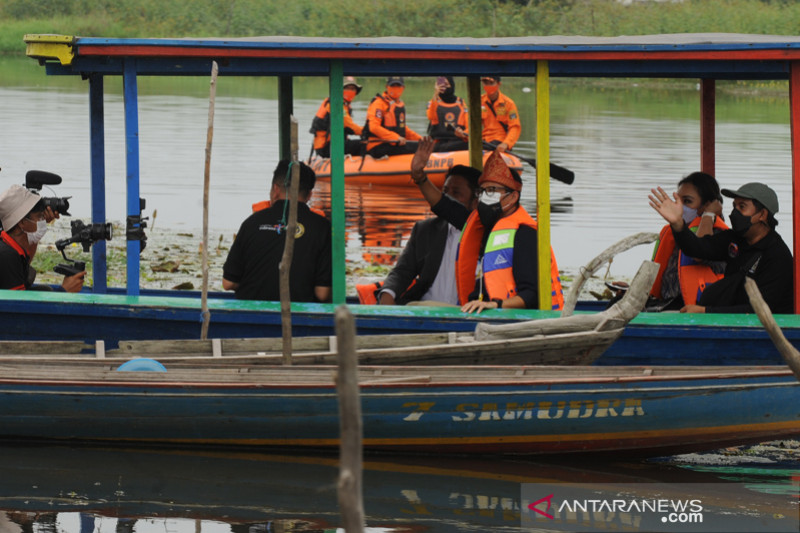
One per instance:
(703, 55)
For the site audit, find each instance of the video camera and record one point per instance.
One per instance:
(35, 179)
(86, 235)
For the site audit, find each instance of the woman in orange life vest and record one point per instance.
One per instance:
(321, 125)
(681, 279)
(447, 114)
(386, 130)
(497, 260)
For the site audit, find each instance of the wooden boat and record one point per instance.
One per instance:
(662, 338)
(466, 409)
(574, 340)
(395, 170)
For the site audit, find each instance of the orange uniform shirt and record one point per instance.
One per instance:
(500, 120)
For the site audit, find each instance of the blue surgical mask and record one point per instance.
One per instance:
(689, 214)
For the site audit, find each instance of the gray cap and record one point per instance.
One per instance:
(15, 203)
(756, 191)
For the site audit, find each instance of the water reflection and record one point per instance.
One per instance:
(81, 490)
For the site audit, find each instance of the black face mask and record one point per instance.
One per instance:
(489, 214)
(740, 223)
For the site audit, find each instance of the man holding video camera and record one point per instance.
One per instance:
(24, 217)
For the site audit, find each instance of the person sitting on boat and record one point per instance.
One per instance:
(680, 277)
(24, 217)
(386, 131)
(425, 270)
(447, 114)
(499, 115)
(499, 239)
(751, 248)
(251, 268)
(321, 125)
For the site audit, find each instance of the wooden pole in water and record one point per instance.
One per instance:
(288, 249)
(351, 501)
(206, 180)
(789, 353)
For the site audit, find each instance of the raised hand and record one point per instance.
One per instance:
(669, 208)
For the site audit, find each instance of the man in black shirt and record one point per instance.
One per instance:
(251, 268)
(751, 248)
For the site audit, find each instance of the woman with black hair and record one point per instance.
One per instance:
(681, 279)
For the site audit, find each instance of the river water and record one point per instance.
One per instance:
(621, 140)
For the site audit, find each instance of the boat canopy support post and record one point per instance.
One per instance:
(97, 151)
(133, 202)
(708, 101)
(794, 117)
(475, 122)
(337, 182)
(543, 181)
(285, 112)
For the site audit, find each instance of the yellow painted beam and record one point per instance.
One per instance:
(46, 46)
(543, 180)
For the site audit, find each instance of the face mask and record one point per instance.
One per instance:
(36, 236)
(491, 89)
(489, 214)
(349, 94)
(490, 198)
(395, 91)
(689, 214)
(740, 223)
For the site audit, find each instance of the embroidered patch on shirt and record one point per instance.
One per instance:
(733, 249)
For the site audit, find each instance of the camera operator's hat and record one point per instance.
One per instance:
(756, 191)
(15, 203)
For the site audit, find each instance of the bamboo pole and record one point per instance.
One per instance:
(351, 501)
(789, 352)
(288, 249)
(206, 181)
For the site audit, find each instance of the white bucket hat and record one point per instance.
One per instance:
(15, 203)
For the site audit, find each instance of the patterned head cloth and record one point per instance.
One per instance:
(497, 171)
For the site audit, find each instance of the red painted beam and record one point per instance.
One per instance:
(794, 118)
(707, 126)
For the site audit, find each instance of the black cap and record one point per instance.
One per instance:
(395, 80)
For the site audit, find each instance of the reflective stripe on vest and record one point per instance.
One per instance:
(498, 259)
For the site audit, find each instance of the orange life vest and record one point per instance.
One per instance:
(321, 125)
(444, 118)
(498, 257)
(693, 276)
(389, 115)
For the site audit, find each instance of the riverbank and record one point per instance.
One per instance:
(444, 18)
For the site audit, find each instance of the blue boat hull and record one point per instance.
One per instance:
(669, 339)
(520, 410)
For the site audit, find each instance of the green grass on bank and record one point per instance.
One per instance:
(356, 18)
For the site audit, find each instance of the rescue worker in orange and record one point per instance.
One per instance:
(499, 115)
(447, 114)
(386, 130)
(497, 261)
(321, 125)
(681, 279)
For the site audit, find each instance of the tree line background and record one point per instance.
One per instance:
(376, 18)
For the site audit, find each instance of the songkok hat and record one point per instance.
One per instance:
(756, 191)
(15, 203)
(496, 170)
(350, 80)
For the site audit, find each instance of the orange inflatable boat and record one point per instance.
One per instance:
(396, 169)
